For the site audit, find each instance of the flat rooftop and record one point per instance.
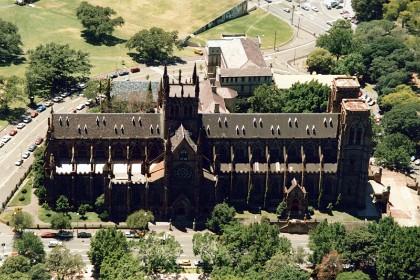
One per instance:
(346, 82)
(355, 105)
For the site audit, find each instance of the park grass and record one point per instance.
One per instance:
(56, 21)
(246, 215)
(16, 202)
(256, 23)
(6, 216)
(46, 215)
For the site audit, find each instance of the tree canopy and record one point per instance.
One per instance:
(60, 221)
(140, 219)
(97, 20)
(320, 61)
(21, 220)
(394, 150)
(63, 263)
(367, 10)
(338, 40)
(126, 267)
(221, 216)
(15, 264)
(308, 97)
(402, 94)
(11, 89)
(30, 245)
(403, 119)
(356, 275)
(154, 45)
(53, 67)
(10, 43)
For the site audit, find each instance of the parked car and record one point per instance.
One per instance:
(122, 72)
(25, 155)
(32, 148)
(84, 235)
(80, 106)
(198, 263)
(57, 99)
(41, 108)
(88, 102)
(13, 132)
(6, 138)
(82, 86)
(21, 125)
(49, 103)
(65, 94)
(19, 162)
(287, 10)
(39, 141)
(112, 76)
(34, 114)
(412, 158)
(184, 263)
(26, 120)
(54, 243)
(135, 69)
(330, 22)
(128, 234)
(417, 162)
(72, 111)
(65, 235)
(49, 234)
(371, 103)
(315, 9)
(1, 144)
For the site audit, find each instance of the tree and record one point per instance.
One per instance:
(15, 276)
(381, 66)
(140, 219)
(83, 209)
(100, 203)
(360, 247)
(15, 264)
(281, 208)
(338, 40)
(403, 119)
(387, 83)
(326, 238)
(222, 215)
(153, 45)
(356, 275)
(107, 242)
(392, 9)
(158, 253)
(320, 60)
(10, 43)
(11, 89)
(126, 267)
(266, 99)
(53, 66)
(39, 272)
(60, 221)
(351, 64)
(367, 10)
(402, 94)
(21, 220)
(330, 266)
(308, 97)
(287, 272)
(207, 247)
(394, 151)
(63, 263)
(30, 245)
(62, 204)
(411, 16)
(97, 20)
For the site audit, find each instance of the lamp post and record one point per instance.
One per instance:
(77, 225)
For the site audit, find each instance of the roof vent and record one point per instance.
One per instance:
(272, 130)
(151, 129)
(208, 129)
(79, 129)
(313, 129)
(104, 120)
(85, 128)
(331, 122)
(122, 129)
(325, 122)
(261, 123)
(226, 124)
(67, 121)
(97, 120)
(61, 121)
(278, 130)
(307, 129)
(290, 122)
(133, 120)
(243, 129)
(237, 130)
(220, 122)
(140, 121)
(157, 129)
(255, 122)
(296, 122)
(116, 129)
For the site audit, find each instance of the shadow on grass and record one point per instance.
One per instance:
(107, 40)
(173, 60)
(13, 116)
(18, 60)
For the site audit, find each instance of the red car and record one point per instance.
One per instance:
(49, 235)
(134, 69)
(13, 132)
(39, 140)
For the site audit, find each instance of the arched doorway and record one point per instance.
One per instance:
(181, 207)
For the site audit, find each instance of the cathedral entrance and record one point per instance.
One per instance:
(181, 207)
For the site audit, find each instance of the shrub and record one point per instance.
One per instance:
(24, 191)
(311, 210)
(281, 208)
(104, 216)
(22, 198)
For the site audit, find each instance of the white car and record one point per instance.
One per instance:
(25, 155)
(330, 22)
(49, 103)
(54, 243)
(315, 9)
(6, 138)
(417, 162)
(19, 162)
(21, 125)
(371, 103)
(128, 234)
(57, 99)
(287, 10)
(80, 107)
(369, 99)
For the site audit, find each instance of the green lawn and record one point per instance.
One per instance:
(45, 216)
(27, 196)
(255, 23)
(52, 20)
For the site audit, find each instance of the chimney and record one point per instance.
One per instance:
(216, 108)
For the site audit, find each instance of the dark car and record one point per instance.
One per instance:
(26, 120)
(41, 108)
(32, 148)
(112, 76)
(84, 235)
(65, 235)
(123, 72)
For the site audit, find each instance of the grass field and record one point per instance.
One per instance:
(16, 202)
(256, 23)
(55, 21)
(46, 215)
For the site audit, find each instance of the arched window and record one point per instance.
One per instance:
(311, 154)
(240, 155)
(359, 136)
(100, 152)
(154, 152)
(293, 154)
(183, 154)
(136, 152)
(118, 152)
(257, 155)
(82, 151)
(64, 152)
(351, 136)
(224, 154)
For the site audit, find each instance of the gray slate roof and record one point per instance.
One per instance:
(128, 87)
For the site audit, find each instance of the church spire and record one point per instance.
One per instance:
(194, 75)
(160, 94)
(197, 87)
(166, 82)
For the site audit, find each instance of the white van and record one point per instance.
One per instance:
(54, 243)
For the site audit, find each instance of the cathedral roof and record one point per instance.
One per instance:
(110, 125)
(290, 125)
(181, 134)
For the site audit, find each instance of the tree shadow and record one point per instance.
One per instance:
(12, 115)
(173, 60)
(105, 39)
(18, 60)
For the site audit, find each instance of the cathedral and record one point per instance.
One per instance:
(182, 160)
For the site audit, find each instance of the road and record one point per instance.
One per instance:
(12, 150)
